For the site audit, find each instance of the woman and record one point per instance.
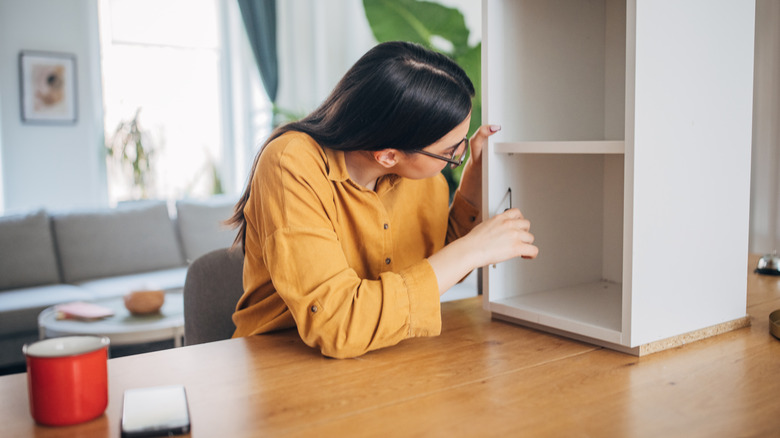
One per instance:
(344, 221)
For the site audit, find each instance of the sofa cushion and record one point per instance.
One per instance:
(119, 241)
(11, 347)
(27, 257)
(201, 225)
(20, 307)
(166, 279)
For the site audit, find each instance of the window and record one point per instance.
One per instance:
(169, 63)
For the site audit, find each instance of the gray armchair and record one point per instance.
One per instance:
(212, 288)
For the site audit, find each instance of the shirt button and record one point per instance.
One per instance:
(387, 226)
(314, 309)
(387, 261)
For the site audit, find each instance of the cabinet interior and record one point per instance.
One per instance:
(555, 80)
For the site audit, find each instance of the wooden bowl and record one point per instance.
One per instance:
(144, 302)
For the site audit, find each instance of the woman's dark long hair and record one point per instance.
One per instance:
(398, 95)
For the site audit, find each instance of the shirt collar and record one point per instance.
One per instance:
(337, 165)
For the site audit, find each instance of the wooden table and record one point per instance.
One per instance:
(479, 378)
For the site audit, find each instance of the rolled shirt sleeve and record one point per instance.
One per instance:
(463, 217)
(339, 312)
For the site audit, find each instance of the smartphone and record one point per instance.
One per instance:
(155, 411)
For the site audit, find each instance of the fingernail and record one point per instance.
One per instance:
(494, 128)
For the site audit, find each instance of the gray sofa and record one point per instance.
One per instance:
(47, 258)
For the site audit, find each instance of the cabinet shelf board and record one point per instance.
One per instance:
(591, 309)
(561, 147)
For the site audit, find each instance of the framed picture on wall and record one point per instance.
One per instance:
(48, 87)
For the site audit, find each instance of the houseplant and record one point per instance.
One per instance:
(128, 150)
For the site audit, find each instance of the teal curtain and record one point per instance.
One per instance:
(260, 21)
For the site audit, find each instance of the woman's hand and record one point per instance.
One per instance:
(471, 179)
(502, 237)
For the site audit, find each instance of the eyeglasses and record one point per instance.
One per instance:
(454, 160)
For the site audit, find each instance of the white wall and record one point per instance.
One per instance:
(57, 166)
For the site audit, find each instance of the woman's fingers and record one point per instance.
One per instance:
(515, 221)
(512, 213)
(479, 140)
(530, 252)
(505, 236)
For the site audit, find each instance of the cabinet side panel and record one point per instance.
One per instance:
(493, 180)
(615, 70)
(613, 218)
(628, 176)
(691, 164)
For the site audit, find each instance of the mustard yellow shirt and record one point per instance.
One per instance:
(346, 265)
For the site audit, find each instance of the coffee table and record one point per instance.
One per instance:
(122, 328)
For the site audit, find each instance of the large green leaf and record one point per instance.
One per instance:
(419, 22)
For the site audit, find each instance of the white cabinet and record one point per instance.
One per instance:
(626, 140)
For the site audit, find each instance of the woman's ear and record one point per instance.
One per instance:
(387, 157)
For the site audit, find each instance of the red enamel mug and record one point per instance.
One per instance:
(67, 379)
